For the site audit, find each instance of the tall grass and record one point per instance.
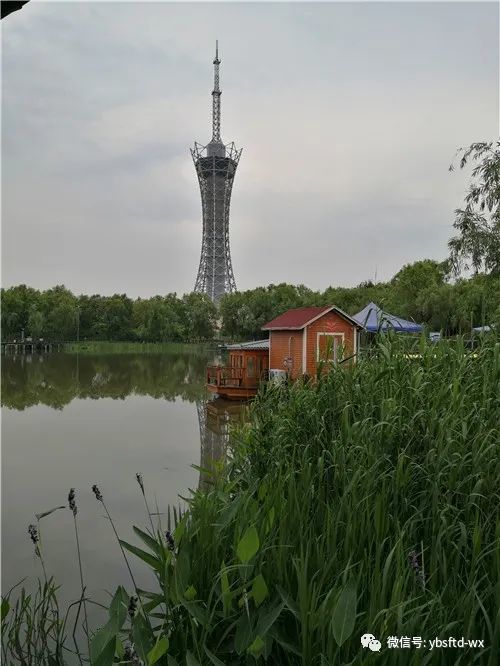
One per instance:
(32, 630)
(365, 501)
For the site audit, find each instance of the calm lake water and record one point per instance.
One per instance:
(74, 420)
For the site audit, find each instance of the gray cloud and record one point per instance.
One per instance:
(349, 115)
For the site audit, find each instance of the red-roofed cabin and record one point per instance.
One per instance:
(301, 338)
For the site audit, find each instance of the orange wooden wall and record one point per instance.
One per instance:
(331, 322)
(279, 346)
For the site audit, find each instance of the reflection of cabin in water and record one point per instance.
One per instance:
(215, 418)
(248, 366)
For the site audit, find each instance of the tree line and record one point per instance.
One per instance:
(57, 314)
(421, 291)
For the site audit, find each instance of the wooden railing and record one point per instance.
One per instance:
(218, 375)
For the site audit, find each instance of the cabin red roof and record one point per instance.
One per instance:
(299, 318)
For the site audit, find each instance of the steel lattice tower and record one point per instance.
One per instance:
(215, 166)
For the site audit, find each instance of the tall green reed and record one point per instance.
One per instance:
(74, 510)
(363, 501)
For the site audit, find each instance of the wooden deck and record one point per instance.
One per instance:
(231, 382)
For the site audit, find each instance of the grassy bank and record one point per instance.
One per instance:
(134, 347)
(365, 502)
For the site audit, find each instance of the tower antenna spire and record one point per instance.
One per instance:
(216, 93)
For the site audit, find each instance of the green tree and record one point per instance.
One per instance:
(244, 313)
(58, 306)
(409, 283)
(17, 303)
(11, 313)
(201, 316)
(477, 244)
(117, 317)
(353, 299)
(62, 322)
(160, 319)
(140, 309)
(36, 322)
(90, 308)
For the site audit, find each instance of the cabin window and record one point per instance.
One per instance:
(330, 347)
(251, 366)
(237, 361)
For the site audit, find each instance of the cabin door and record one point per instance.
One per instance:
(251, 370)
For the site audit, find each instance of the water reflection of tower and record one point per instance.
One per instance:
(215, 418)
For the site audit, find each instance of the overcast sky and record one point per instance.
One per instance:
(348, 114)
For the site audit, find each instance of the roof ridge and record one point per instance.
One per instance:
(287, 320)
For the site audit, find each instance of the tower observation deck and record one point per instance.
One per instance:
(215, 165)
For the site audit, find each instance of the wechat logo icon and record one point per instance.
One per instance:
(369, 641)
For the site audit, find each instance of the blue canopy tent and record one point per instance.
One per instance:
(375, 319)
